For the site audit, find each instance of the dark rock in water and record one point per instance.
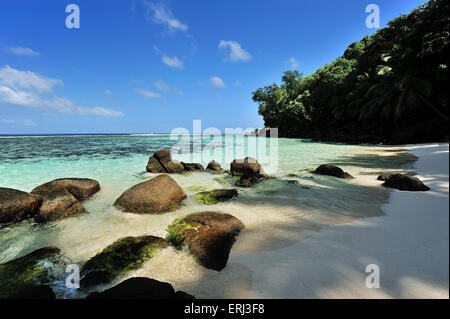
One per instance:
(160, 194)
(36, 292)
(161, 162)
(153, 166)
(192, 167)
(16, 205)
(141, 288)
(58, 205)
(209, 236)
(174, 167)
(214, 166)
(80, 188)
(245, 182)
(120, 258)
(249, 170)
(331, 170)
(292, 181)
(247, 167)
(384, 177)
(405, 183)
(215, 196)
(28, 271)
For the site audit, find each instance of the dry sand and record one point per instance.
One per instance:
(410, 245)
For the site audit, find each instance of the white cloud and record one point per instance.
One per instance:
(23, 122)
(106, 92)
(22, 51)
(162, 86)
(26, 88)
(27, 79)
(148, 94)
(293, 63)
(237, 53)
(173, 62)
(217, 82)
(162, 15)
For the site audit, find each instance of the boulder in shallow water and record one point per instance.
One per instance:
(119, 258)
(16, 205)
(405, 183)
(141, 288)
(80, 188)
(215, 196)
(157, 195)
(384, 177)
(247, 167)
(245, 182)
(26, 272)
(214, 166)
(161, 162)
(192, 167)
(209, 236)
(57, 205)
(153, 166)
(332, 170)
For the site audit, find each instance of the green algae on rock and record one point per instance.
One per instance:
(120, 258)
(215, 196)
(209, 237)
(26, 272)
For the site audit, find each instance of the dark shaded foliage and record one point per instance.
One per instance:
(390, 87)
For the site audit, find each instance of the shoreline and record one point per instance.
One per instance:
(409, 246)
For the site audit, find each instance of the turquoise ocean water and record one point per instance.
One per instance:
(277, 212)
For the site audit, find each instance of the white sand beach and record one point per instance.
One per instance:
(410, 244)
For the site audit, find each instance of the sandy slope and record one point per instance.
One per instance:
(410, 245)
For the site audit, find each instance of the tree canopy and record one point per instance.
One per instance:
(390, 87)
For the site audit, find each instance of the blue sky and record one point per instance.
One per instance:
(138, 66)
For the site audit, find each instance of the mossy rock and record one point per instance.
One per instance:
(119, 258)
(209, 237)
(224, 181)
(26, 272)
(198, 188)
(215, 196)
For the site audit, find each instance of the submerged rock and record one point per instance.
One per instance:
(119, 258)
(192, 167)
(215, 196)
(161, 162)
(58, 205)
(160, 194)
(80, 188)
(209, 236)
(332, 170)
(384, 177)
(23, 274)
(16, 205)
(141, 288)
(245, 182)
(405, 183)
(249, 170)
(214, 166)
(247, 167)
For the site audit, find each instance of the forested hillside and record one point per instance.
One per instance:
(391, 87)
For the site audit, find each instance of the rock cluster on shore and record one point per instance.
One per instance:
(249, 171)
(162, 162)
(50, 201)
